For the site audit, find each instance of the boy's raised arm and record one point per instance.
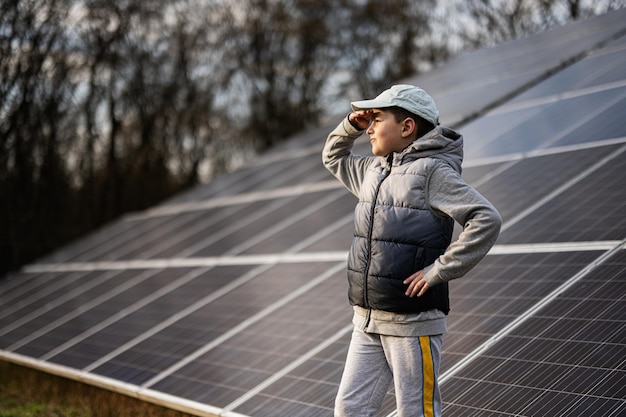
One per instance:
(337, 155)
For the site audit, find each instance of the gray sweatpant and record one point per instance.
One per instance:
(374, 361)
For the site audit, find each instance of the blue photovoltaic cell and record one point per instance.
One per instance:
(595, 117)
(601, 67)
(550, 172)
(566, 359)
(592, 210)
(609, 124)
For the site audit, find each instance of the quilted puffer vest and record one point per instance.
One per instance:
(395, 235)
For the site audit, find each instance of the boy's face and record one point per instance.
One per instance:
(386, 134)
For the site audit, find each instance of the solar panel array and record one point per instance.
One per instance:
(230, 299)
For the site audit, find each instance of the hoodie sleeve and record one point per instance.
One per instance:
(338, 158)
(449, 194)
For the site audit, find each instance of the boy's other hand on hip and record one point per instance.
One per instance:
(417, 284)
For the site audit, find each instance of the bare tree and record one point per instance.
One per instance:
(103, 111)
(278, 59)
(494, 21)
(381, 42)
(35, 81)
(145, 109)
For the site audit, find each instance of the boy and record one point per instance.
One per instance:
(410, 193)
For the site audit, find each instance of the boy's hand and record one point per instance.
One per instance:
(417, 284)
(360, 119)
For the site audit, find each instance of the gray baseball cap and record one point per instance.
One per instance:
(409, 97)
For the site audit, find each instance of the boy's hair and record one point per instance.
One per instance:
(423, 125)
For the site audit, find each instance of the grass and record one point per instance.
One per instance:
(25, 392)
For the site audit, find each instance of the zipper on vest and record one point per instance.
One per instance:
(371, 228)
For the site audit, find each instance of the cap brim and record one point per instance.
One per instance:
(369, 104)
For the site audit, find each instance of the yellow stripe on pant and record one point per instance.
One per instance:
(429, 376)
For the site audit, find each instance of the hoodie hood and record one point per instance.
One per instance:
(441, 143)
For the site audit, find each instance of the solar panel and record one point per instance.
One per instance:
(589, 207)
(482, 79)
(566, 359)
(230, 299)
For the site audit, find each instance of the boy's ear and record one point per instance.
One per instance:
(408, 127)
